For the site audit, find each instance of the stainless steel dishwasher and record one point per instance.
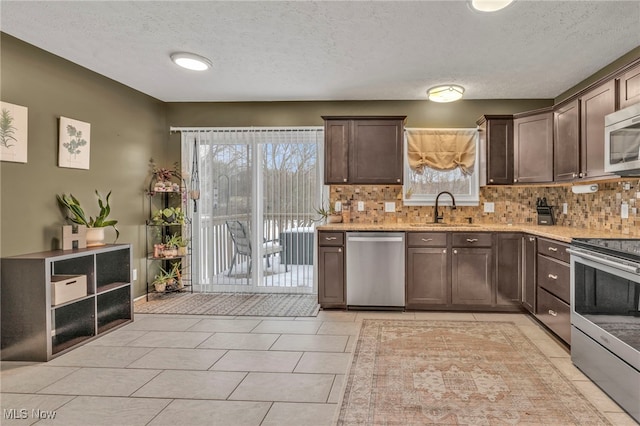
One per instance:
(375, 269)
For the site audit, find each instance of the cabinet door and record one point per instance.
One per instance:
(471, 278)
(427, 278)
(529, 274)
(533, 147)
(336, 151)
(566, 145)
(331, 289)
(630, 87)
(375, 154)
(499, 150)
(594, 106)
(508, 268)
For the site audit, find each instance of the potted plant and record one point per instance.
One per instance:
(329, 215)
(161, 178)
(164, 278)
(183, 243)
(171, 245)
(95, 226)
(168, 216)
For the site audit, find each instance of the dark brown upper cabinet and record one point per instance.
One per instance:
(496, 143)
(629, 87)
(364, 150)
(594, 105)
(533, 146)
(566, 148)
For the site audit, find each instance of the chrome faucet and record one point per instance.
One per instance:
(439, 218)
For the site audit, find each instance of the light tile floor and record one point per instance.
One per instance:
(203, 370)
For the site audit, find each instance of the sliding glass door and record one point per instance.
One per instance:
(253, 222)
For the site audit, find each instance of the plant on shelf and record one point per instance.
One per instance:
(161, 178)
(168, 216)
(164, 279)
(171, 245)
(329, 215)
(183, 243)
(76, 214)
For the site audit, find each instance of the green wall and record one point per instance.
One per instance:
(127, 128)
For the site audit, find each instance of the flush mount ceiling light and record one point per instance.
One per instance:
(445, 93)
(191, 61)
(490, 5)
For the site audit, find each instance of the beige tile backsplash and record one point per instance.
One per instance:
(513, 204)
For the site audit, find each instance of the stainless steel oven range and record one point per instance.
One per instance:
(605, 316)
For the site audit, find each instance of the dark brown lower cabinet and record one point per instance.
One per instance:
(331, 271)
(529, 273)
(554, 313)
(427, 277)
(471, 278)
(508, 268)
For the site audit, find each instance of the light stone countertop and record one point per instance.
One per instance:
(560, 233)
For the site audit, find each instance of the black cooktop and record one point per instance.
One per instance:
(620, 247)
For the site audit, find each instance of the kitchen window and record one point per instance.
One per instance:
(439, 160)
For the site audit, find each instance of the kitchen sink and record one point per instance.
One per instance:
(444, 225)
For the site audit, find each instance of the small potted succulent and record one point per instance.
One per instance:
(329, 215)
(168, 216)
(164, 279)
(171, 245)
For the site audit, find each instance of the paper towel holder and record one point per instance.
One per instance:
(585, 189)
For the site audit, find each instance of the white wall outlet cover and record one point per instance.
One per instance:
(338, 206)
(389, 206)
(489, 207)
(626, 186)
(565, 207)
(134, 275)
(360, 206)
(634, 211)
(624, 211)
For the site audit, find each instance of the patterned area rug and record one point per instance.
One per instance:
(264, 305)
(457, 372)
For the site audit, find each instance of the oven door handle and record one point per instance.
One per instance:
(612, 263)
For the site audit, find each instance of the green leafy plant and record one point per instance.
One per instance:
(173, 241)
(168, 216)
(166, 277)
(324, 212)
(78, 216)
(7, 129)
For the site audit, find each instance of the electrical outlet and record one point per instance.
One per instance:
(360, 206)
(626, 186)
(565, 207)
(489, 207)
(624, 211)
(338, 206)
(389, 206)
(134, 274)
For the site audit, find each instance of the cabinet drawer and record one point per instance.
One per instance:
(426, 239)
(554, 276)
(555, 314)
(330, 238)
(471, 239)
(554, 249)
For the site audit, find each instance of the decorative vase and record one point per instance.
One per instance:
(95, 237)
(182, 251)
(170, 252)
(160, 287)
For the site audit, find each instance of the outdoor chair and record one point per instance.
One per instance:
(242, 245)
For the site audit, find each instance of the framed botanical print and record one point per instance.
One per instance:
(74, 143)
(13, 132)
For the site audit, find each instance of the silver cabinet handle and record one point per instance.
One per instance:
(397, 180)
(340, 250)
(330, 238)
(553, 313)
(455, 252)
(573, 174)
(553, 249)
(553, 277)
(515, 180)
(491, 180)
(472, 240)
(444, 251)
(532, 239)
(426, 240)
(344, 180)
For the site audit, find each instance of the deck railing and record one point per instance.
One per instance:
(216, 245)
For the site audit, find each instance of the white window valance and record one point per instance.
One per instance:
(441, 149)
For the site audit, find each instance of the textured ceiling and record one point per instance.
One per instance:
(327, 50)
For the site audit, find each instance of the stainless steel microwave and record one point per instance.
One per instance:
(622, 141)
